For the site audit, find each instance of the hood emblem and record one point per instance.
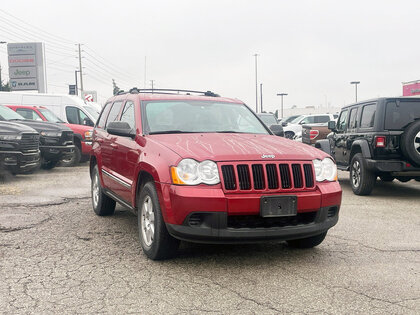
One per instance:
(268, 156)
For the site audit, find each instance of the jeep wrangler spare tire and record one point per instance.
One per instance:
(410, 143)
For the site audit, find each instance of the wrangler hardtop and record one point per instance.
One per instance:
(377, 137)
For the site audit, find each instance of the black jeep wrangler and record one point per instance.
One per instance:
(55, 140)
(19, 148)
(379, 137)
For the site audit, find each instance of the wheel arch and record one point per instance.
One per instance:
(360, 146)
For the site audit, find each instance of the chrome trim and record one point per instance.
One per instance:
(119, 181)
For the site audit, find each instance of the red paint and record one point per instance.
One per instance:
(411, 88)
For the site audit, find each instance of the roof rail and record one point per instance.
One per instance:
(120, 92)
(135, 90)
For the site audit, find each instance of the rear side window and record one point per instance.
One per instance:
(102, 118)
(28, 113)
(368, 116)
(353, 119)
(308, 120)
(342, 121)
(322, 119)
(113, 113)
(127, 114)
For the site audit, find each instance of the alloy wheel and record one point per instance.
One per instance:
(147, 221)
(355, 174)
(95, 190)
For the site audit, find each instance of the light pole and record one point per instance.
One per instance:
(355, 84)
(1, 82)
(281, 94)
(256, 84)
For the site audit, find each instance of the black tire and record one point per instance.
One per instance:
(410, 142)
(387, 178)
(289, 134)
(404, 179)
(362, 180)
(73, 160)
(157, 244)
(47, 165)
(101, 203)
(308, 242)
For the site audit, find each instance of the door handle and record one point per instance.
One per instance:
(113, 145)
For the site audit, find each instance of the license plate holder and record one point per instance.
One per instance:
(278, 206)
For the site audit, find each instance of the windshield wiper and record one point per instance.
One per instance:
(170, 131)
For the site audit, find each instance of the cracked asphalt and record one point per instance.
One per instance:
(56, 256)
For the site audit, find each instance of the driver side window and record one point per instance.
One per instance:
(342, 121)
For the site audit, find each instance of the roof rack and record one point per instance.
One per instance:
(135, 90)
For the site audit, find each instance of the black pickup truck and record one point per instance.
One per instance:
(19, 147)
(378, 137)
(55, 140)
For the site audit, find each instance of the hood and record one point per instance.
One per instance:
(236, 147)
(8, 127)
(43, 125)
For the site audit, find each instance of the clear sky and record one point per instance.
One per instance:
(308, 49)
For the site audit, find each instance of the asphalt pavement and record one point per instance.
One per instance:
(57, 256)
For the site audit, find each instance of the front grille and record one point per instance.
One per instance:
(29, 142)
(67, 137)
(256, 221)
(249, 176)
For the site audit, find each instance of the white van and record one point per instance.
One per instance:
(69, 108)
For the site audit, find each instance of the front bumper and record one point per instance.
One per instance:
(19, 162)
(56, 153)
(394, 167)
(208, 215)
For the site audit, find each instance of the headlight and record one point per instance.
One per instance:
(10, 137)
(88, 135)
(325, 170)
(51, 133)
(191, 172)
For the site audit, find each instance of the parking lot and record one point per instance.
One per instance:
(56, 256)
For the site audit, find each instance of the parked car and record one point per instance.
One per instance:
(378, 137)
(82, 134)
(55, 141)
(311, 133)
(203, 168)
(295, 126)
(19, 147)
(270, 121)
(69, 108)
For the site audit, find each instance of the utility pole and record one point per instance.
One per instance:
(75, 76)
(355, 84)
(256, 84)
(80, 70)
(261, 97)
(1, 82)
(152, 81)
(145, 58)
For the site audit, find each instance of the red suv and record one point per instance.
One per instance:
(82, 134)
(204, 168)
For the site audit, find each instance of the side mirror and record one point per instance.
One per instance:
(88, 122)
(121, 128)
(284, 124)
(331, 125)
(277, 130)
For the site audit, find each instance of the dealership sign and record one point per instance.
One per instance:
(27, 66)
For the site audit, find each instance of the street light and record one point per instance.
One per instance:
(355, 84)
(282, 94)
(1, 82)
(256, 84)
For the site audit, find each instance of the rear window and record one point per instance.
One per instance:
(400, 114)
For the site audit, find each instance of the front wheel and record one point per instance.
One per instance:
(362, 179)
(48, 164)
(155, 239)
(308, 242)
(289, 134)
(72, 160)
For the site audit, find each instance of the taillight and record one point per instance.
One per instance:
(313, 134)
(380, 142)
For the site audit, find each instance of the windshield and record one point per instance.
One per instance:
(200, 116)
(92, 111)
(8, 114)
(268, 119)
(296, 120)
(49, 115)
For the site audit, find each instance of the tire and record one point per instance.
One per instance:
(47, 165)
(308, 242)
(289, 134)
(410, 143)
(101, 203)
(386, 178)
(362, 180)
(155, 239)
(404, 179)
(74, 160)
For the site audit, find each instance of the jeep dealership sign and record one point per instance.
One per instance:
(27, 66)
